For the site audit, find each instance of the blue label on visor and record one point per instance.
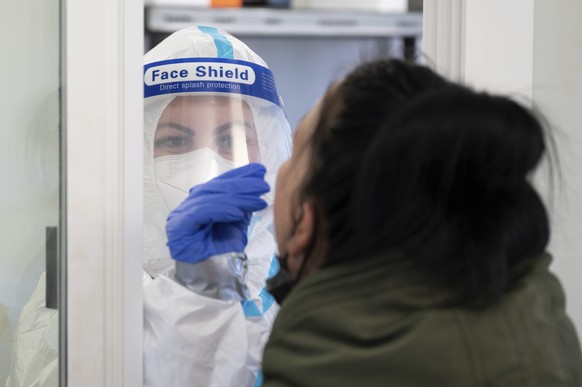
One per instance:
(188, 75)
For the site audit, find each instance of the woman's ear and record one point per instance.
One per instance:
(304, 231)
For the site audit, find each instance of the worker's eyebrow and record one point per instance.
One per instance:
(226, 127)
(177, 126)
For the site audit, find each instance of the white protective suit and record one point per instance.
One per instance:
(35, 351)
(195, 339)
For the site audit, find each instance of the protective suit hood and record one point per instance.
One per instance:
(201, 62)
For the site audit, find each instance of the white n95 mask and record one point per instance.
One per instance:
(176, 174)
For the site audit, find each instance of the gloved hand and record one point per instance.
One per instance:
(215, 216)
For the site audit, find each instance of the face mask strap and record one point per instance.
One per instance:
(282, 283)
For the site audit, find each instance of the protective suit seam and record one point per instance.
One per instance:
(173, 186)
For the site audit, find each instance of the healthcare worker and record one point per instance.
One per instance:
(211, 106)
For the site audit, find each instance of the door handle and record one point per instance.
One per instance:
(52, 277)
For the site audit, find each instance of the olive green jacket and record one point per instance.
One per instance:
(374, 324)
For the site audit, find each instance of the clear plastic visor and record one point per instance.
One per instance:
(222, 124)
(199, 137)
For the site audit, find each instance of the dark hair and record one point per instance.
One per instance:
(352, 114)
(447, 184)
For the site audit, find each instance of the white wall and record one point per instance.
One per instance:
(557, 89)
(498, 48)
(29, 124)
(486, 44)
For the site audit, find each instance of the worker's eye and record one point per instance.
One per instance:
(224, 144)
(172, 144)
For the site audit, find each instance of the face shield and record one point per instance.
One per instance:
(210, 105)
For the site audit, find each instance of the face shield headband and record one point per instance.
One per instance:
(210, 75)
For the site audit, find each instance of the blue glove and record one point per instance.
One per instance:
(215, 216)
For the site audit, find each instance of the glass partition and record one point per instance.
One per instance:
(29, 166)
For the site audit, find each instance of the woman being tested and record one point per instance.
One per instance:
(438, 274)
